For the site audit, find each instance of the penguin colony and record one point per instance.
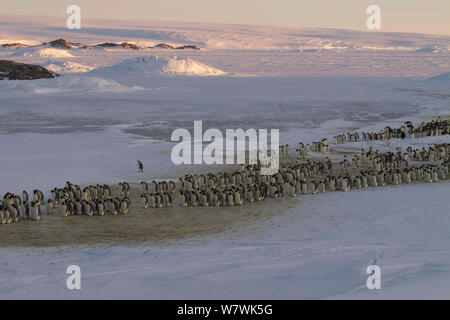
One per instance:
(70, 200)
(370, 168)
(436, 127)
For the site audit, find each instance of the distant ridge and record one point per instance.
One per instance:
(67, 45)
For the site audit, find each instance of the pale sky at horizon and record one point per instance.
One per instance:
(420, 16)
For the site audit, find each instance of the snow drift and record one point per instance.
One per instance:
(39, 51)
(155, 65)
(67, 66)
(69, 83)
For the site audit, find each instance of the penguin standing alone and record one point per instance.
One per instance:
(140, 166)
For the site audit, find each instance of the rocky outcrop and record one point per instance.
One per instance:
(60, 43)
(127, 45)
(164, 46)
(188, 47)
(14, 45)
(64, 44)
(11, 70)
(106, 45)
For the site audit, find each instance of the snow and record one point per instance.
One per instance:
(91, 127)
(38, 51)
(66, 84)
(161, 66)
(67, 67)
(317, 249)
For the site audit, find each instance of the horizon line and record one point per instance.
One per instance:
(11, 17)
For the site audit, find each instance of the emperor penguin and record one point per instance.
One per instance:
(373, 180)
(395, 180)
(65, 209)
(107, 192)
(406, 177)
(6, 217)
(171, 188)
(151, 200)
(26, 209)
(88, 208)
(158, 201)
(304, 187)
(40, 196)
(144, 187)
(116, 202)
(25, 196)
(203, 200)
(3, 217)
(230, 199)
(259, 193)
(248, 195)
(112, 207)
(140, 166)
(344, 186)
(434, 176)
(79, 207)
(237, 198)
(144, 201)
(167, 203)
(34, 213)
(322, 187)
(332, 184)
(14, 213)
(357, 182)
(101, 208)
(441, 174)
(214, 199)
(50, 206)
(123, 207)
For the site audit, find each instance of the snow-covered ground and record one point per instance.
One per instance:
(111, 107)
(320, 247)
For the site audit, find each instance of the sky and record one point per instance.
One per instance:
(418, 16)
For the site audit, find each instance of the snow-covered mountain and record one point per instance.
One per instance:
(155, 65)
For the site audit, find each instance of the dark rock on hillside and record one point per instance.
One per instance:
(106, 45)
(14, 45)
(164, 46)
(21, 71)
(189, 47)
(61, 43)
(127, 45)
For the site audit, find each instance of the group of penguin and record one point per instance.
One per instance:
(370, 168)
(13, 208)
(315, 146)
(310, 177)
(436, 127)
(69, 200)
(93, 200)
